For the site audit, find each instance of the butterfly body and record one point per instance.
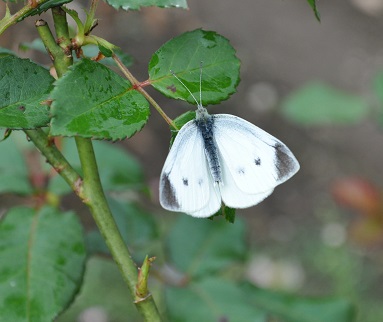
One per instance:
(205, 125)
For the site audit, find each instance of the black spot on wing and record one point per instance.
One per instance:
(169, 198)
(241, 170)
(257, 161)
(185, 181)
(284, 164)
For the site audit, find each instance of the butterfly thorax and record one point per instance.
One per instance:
(205, 125)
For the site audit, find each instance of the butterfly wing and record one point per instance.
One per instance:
(253, 161)
(236, 198)
(213, 205)
(186, 184)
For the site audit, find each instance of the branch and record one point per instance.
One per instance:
(96, 201)
(10, 20)
(32, 8)
(90, 189)
(62, 32)
(60, 60)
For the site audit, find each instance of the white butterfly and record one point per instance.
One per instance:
(222, 158)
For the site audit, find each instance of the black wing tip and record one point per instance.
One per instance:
(286, 164)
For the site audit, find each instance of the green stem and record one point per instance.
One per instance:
(61, 24)
(63, 58)
(97, 203)
(57, 55)
(10, 20)
(62, 33)
(56, 159)
(91, 191)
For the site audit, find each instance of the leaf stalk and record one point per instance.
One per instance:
(137, 86)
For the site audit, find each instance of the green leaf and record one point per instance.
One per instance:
(119, 170)
(43, 6)
(201, 247)
(103, 291)
(183, 55)
(138, 4)
(313, 4)
(215, 299)
(13, 170)
(137, 228)
(300, 309)
(211, 300)
(378, 87)
(92, 101)
(42, 259)
(182, 119)
(227, 212)
(105, 51)
(23, 87)
(318, 104)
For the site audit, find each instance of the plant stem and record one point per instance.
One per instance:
(61, 24)
(57, 55)
(96, 201)
(91, 191)
(137, 85)
(10, 20)
(62, 32)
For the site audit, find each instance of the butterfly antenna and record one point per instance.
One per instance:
(200, 83)
(198, 104)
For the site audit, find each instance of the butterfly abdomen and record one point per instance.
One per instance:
(205, 126)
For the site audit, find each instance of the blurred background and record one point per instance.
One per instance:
(321, 232)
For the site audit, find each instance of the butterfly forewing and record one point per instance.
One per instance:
(255, 160)
(185, 183)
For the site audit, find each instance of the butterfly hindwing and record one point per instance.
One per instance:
(233, 197)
